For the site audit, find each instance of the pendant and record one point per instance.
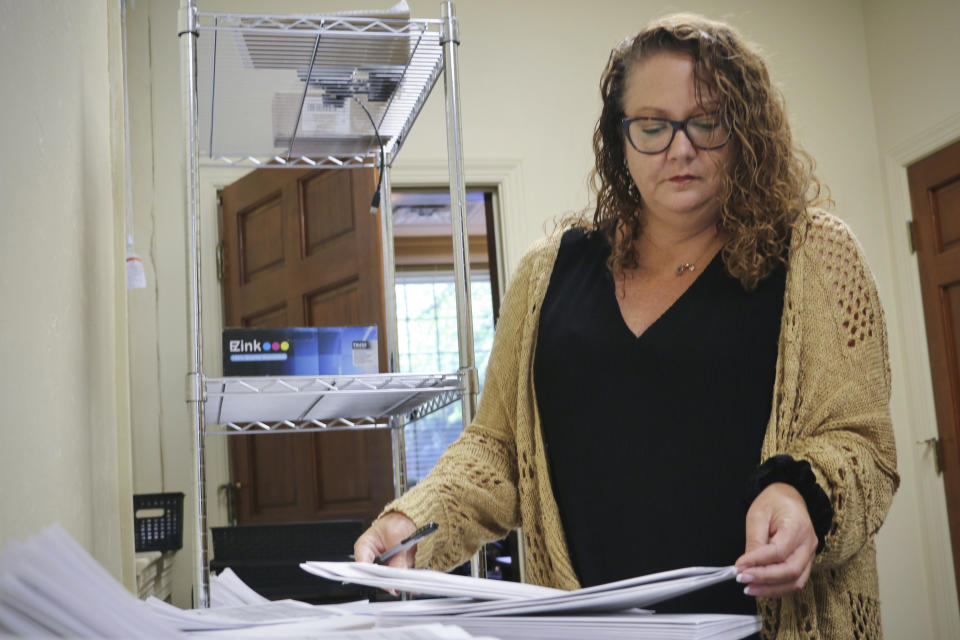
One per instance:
(686, 266)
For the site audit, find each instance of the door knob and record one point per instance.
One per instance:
(229, 492)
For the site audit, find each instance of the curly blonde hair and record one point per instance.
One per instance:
(764, 190)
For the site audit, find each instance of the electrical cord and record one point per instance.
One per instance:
(375, 200)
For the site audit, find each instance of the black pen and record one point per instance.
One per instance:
(414, 538)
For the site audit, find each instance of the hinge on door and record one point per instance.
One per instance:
(933, 445)
(221, 264)
(911, 237)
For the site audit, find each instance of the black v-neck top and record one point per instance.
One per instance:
(650, 439)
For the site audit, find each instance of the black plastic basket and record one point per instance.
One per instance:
(294, 542)
(267, 557)
(162, 532)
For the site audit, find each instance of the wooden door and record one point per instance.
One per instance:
(935, 198)
(301, 248)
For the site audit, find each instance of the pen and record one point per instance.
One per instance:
(414, 538)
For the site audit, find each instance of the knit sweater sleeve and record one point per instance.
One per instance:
(837, 415)
(472, 490)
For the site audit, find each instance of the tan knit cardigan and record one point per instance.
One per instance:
(830, 407)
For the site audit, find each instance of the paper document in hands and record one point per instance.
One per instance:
(511, 598)
(425, 581)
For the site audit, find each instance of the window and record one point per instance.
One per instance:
(427, 343)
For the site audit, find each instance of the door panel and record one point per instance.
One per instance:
(327, 192)
(945, 202)
(339, 300)
(266, 319)
(273, 456)
(261, 239)
(302, 249)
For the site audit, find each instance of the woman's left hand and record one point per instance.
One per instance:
(781, 543)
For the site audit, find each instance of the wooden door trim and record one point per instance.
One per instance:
(211, 180)
(913, 385)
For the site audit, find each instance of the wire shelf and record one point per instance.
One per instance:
(294, 91)
(272, 404)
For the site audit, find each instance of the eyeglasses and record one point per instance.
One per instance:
(655, 135)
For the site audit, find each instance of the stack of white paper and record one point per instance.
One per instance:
(514, 611)
(228, 590)
(511, 598)
(250, 615)
(638, 626)
(309, 630)
(293, 620)
(50, 586)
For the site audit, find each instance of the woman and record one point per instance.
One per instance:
(697, 376)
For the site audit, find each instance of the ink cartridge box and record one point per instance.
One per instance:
(300, 351)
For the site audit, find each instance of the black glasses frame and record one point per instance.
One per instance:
(677, 126)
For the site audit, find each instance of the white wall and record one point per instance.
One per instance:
(529, 76)
(65, 456)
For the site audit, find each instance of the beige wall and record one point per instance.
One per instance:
(858, 77)
(913, 54)
(65, 456)
(163, 458)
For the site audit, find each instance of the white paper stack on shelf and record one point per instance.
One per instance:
(508, 610)
(164, 586)
(147, 572)
(154, 574)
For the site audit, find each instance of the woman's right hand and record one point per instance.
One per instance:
(387, 531)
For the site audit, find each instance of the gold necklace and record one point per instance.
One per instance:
(684, 267)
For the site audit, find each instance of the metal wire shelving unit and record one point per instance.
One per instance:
(325, 92)
(323, 403)
(254, 70)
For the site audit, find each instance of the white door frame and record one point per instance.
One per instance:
(915, 376)
(211, 180)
